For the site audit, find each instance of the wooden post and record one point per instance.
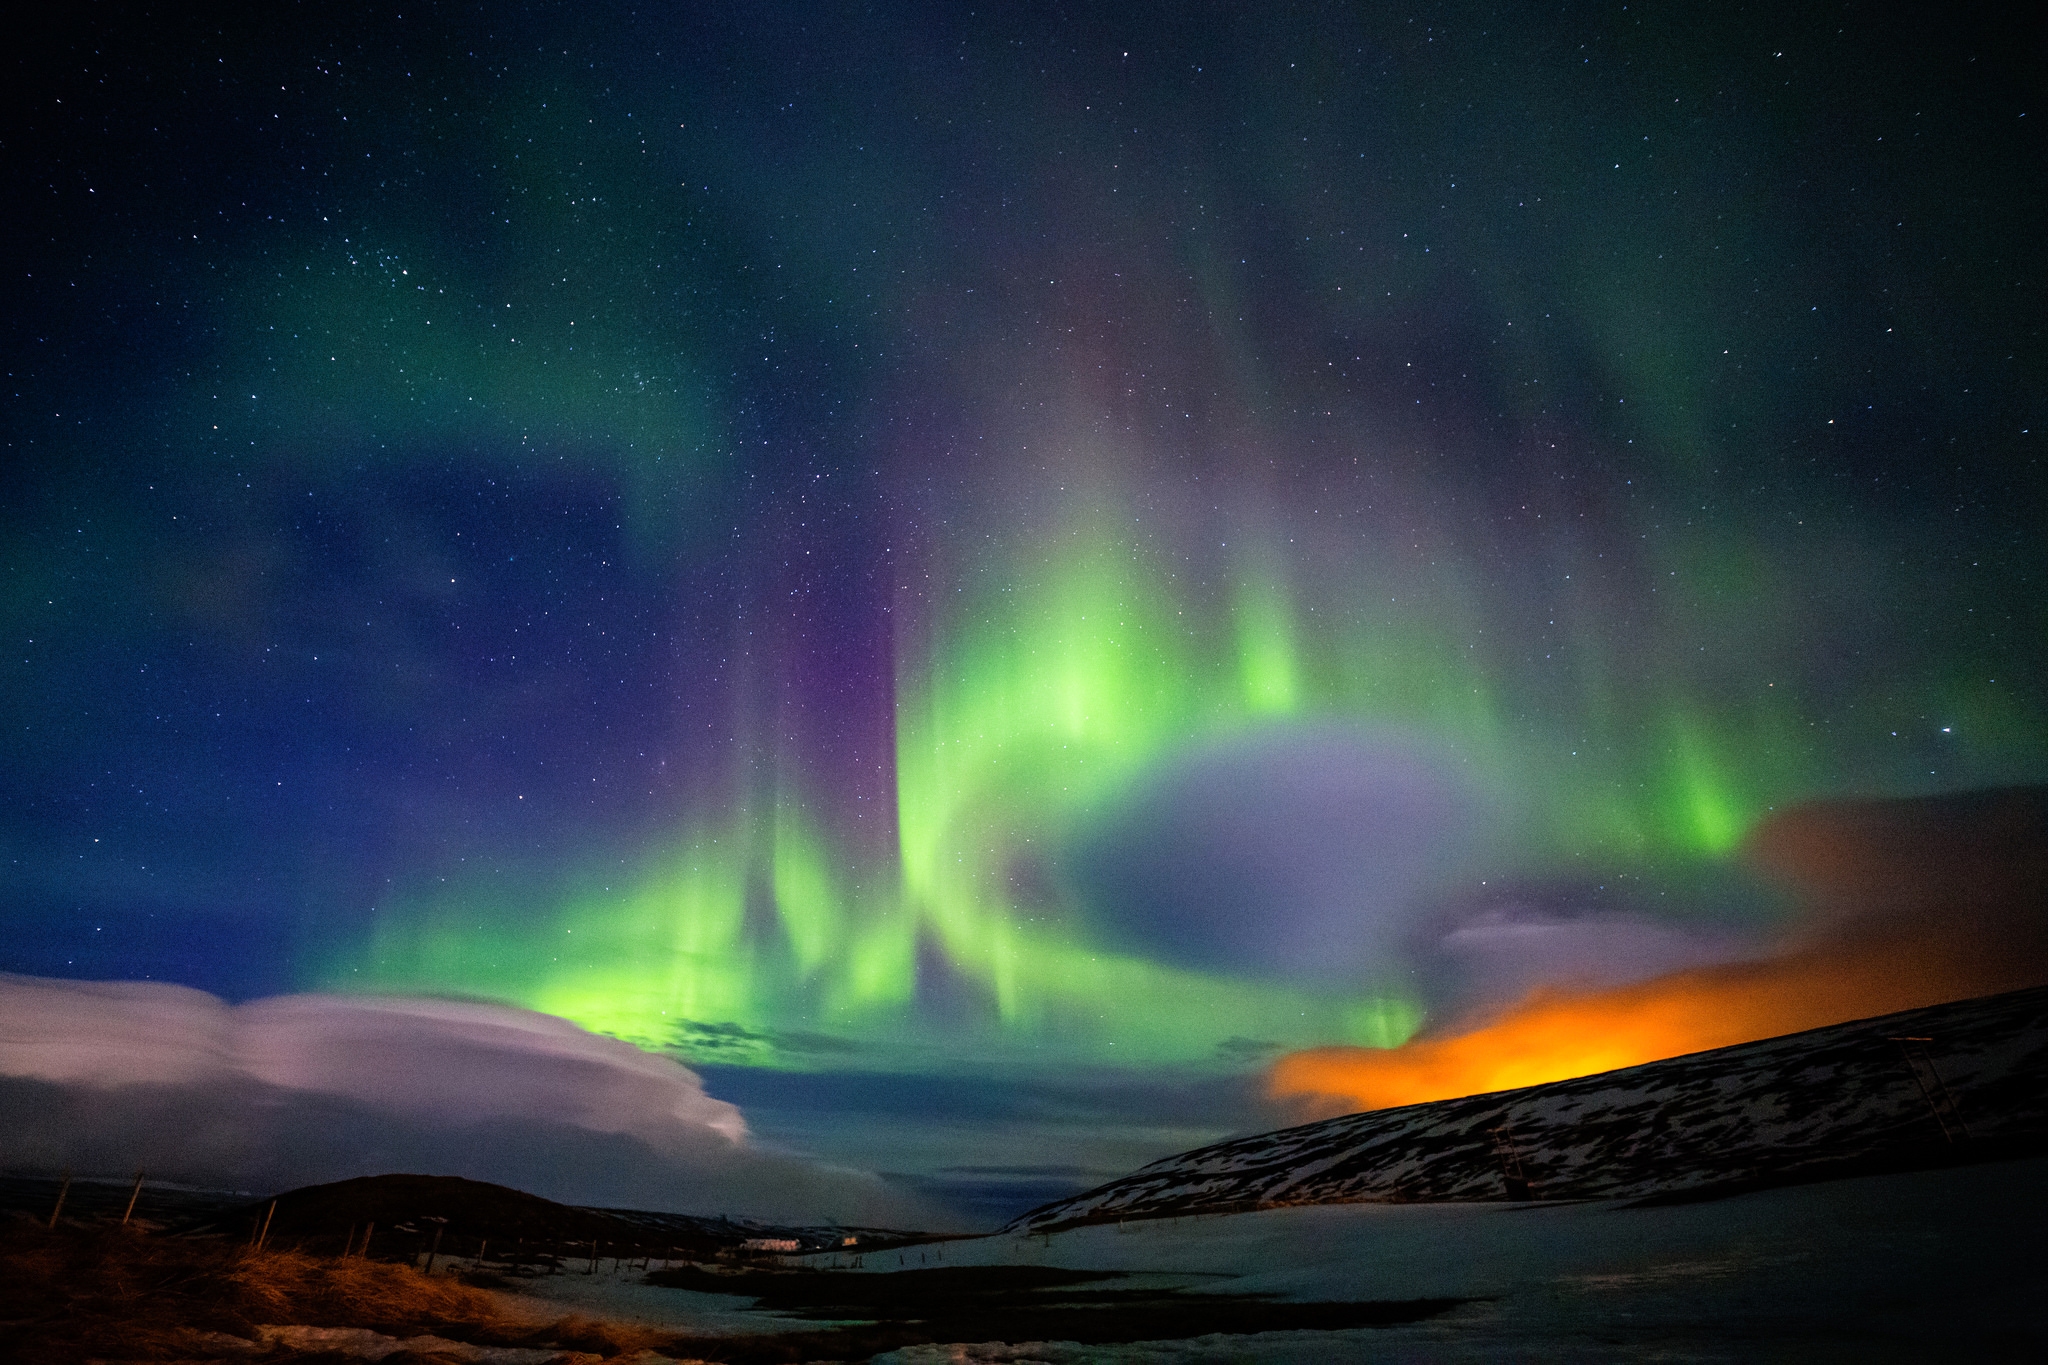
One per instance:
(593, 1258)
(1514, 1178)
(350, 1244)
(364, 1253)
(264, 1236)
(62, 1190)
(435, 1249)
(1941, 1101)
(481, 1248)
(133, 1195)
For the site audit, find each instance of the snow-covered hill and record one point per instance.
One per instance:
(1937, 1086)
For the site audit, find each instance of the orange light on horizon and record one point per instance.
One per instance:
(1552, 1036)
(1907, 903)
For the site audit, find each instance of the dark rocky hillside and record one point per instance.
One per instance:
(1939, 1086)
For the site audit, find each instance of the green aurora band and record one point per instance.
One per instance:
(762, 936)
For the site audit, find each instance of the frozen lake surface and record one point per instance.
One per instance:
(626, 1298)
(1932, 1265)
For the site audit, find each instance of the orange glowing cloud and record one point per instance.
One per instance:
(1908, 904)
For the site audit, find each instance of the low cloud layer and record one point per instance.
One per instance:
(295, 1090)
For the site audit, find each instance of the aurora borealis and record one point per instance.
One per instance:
(992, 545)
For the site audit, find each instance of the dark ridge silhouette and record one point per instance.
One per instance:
(416, 1215)
(474, 1207)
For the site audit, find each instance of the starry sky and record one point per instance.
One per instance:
(968, 570)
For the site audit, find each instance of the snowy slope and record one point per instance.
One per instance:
(1834, 1100)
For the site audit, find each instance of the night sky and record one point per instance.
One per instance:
(928, 562)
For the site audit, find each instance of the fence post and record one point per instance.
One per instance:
(133, 1195)
(1512, 1175)
(62, 1190)
(1940, 1099)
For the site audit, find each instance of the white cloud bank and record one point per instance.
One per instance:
(296, 1090)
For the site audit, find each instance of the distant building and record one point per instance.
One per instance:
(769, 1244)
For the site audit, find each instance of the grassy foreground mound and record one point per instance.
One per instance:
(104, 1293)
(110, 1293)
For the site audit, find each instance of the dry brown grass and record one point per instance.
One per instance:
(116, 1294)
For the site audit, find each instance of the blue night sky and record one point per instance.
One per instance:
(975, 575)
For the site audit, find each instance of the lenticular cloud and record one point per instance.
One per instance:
(432, 1059)
(296, 1089)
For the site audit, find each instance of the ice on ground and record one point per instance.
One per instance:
(546, 1298)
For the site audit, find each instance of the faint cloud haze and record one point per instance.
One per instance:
(1297, 851)
(1901, 904)
(1485, 952)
